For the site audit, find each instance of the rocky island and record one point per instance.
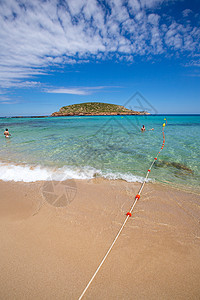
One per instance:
(95, 109)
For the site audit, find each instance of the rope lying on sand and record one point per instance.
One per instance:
(129, 214)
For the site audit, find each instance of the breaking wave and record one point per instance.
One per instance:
(28, 173)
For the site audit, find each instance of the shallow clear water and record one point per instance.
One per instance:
(113, 147)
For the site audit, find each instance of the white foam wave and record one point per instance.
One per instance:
(27, 173)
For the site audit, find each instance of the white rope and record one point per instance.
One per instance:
(113, 243)
(107, 252)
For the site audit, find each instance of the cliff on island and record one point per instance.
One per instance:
(95, 109)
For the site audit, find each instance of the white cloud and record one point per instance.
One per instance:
(6, 100)
(136, 5)
(151, 3)
(194, 63)
(37, 34)
(78, 90)
(182, 38)
(186, 12)
(72, 91)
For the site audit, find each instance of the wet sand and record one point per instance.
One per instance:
(51, 252)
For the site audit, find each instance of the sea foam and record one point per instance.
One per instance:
(28, 173)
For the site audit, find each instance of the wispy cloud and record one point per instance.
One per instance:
(38, 34)
(6, 100)
(193, 63)
(72, 91)
(186, 12)
(77, 90)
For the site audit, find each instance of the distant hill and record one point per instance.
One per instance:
(95, 109)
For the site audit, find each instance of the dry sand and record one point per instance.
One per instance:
(50, 252)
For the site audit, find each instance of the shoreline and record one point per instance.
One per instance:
(82, 115)
(48, 116)
(49, 251)
(49, 173)
(99, 115)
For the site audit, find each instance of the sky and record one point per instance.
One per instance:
(144, 54)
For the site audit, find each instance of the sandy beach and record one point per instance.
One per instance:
(50, 249)
(99, 150)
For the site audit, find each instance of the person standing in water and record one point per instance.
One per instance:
(6, 133)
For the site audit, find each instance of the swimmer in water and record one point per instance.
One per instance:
(143, 128)
(6, 133)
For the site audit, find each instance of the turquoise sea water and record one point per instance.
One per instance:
(112, 147)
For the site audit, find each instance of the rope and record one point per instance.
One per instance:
(137, 197)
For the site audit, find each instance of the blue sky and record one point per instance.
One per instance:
(55, 53)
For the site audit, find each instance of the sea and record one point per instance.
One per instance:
(111, 147)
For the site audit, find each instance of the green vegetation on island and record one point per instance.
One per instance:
(95, 109)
